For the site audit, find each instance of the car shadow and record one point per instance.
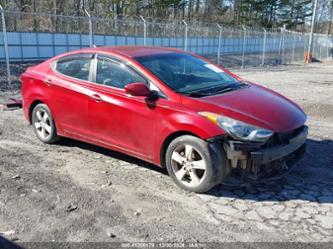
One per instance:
(311, 179)
(7, 244)
(111, 153)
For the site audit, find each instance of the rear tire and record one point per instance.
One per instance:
(43, 124)
(194, 164)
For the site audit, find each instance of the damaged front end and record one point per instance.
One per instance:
(254, 160)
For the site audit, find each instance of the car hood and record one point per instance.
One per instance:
(254, 105)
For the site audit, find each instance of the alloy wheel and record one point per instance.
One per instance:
(188, 165)
(43, 124)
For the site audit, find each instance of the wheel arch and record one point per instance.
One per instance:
(168, 140)
(32, 106)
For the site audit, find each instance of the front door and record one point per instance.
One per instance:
(117, 119)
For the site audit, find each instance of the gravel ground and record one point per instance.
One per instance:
(74, 191)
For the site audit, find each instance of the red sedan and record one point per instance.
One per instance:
(168, 107)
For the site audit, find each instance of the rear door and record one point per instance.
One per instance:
(69, 81)
(117, 119)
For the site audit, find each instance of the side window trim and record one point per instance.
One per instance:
(75, 57)
(109, 58)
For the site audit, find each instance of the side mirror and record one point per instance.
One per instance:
(137, 89)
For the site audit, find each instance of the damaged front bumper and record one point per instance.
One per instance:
(256, 160)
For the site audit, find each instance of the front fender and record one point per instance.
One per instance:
(184, 123)
(193, 123)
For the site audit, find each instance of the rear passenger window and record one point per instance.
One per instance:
(78, 68)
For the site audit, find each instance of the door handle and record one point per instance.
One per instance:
(47, 82)
(96, 97)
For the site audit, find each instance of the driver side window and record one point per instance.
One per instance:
(111, 73)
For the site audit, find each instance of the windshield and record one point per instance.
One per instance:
(185, 73)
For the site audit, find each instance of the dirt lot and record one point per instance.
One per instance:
(73, 191)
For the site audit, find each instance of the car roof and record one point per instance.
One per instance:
(135, 51)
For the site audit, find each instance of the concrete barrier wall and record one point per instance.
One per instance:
(28, 46)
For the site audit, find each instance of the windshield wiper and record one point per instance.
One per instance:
(195, 94)
(224, 90)
(229, 87)
(214, 90)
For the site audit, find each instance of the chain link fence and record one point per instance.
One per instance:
(32, 37)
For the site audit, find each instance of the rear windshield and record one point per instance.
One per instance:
(185, 73)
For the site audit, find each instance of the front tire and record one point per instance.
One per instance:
(43, 124)
(194, 164)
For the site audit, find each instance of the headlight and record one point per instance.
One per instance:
(237, 129)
